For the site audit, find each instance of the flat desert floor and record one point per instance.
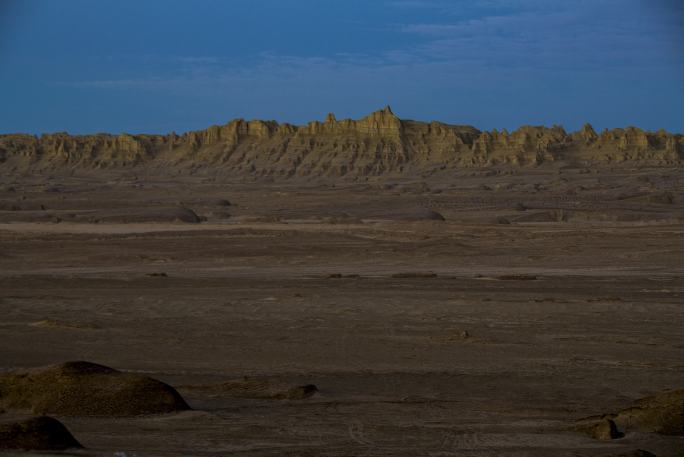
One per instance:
(542, 298)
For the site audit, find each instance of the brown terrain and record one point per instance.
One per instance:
(377, 287)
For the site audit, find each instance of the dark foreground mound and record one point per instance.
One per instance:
(662, 413)
(37, 434)
(87, 389)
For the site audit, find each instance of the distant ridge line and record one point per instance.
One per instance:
(378, 144)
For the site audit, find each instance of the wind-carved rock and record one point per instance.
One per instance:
(381, 123)
(526, 146)
(633, 145)
(378, 144)
(587, 135)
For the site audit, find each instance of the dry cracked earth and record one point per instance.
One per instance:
(543, 297)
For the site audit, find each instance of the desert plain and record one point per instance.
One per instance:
(481, 311)
(480, 334)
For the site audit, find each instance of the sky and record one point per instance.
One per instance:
(156, 66)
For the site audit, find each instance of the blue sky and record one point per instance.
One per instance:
(155, 66)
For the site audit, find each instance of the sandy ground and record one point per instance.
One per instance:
(481, 335)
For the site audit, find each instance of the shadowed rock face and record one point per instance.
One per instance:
(37, 434)
(378, 144)
(87, 389)
(604, 430)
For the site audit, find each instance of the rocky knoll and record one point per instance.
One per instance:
(86, 389)
(662, 413)
(38, 434)
(378, 144)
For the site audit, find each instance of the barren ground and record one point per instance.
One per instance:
(466, 337)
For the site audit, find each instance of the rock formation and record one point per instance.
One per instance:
(662, 413)
(604, 429)
(36, 434)
(86, 389)
(378, 144)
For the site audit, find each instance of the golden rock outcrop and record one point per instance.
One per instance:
(377, 144)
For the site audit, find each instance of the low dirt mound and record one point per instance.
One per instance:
(604, 429)
(87, 389)
(517, 277)
(400, 214)
(36, 434)
(662, 413)
(263, 389)
(64, 325)
(206, 202)
(142, 215)
(660, 198)
(112, 216)
(298, 392)
(543, 216)
(414, 275)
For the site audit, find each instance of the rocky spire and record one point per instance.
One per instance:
(588, 134)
